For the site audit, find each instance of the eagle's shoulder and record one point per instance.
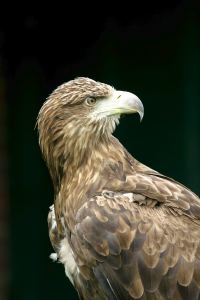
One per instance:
(129, 175)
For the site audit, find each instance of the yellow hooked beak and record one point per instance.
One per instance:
(120, 103)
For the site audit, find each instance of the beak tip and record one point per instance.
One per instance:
(141, 114)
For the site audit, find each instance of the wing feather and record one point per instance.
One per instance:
(138, 252)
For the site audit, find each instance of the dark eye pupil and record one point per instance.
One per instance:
(90, 100)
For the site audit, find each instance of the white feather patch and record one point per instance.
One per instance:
(66, 257)
(53, 256)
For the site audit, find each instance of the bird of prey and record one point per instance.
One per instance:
(122, 230)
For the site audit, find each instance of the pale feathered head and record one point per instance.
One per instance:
(79, 114)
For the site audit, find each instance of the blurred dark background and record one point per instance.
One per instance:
(150, 49)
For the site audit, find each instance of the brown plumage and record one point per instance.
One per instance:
(122, 230)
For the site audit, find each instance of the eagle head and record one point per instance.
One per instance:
(78, 115)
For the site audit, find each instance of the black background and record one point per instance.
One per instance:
(150, 49)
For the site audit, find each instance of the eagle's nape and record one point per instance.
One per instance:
(122, 230)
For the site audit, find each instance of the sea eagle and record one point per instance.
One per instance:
(121, 229)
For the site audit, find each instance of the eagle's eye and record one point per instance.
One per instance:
(90, 101)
